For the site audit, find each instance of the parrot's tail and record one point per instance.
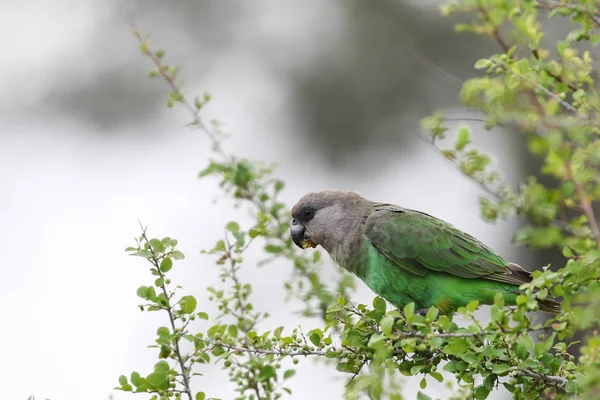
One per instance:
(549, 304)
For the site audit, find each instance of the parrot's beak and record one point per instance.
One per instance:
(299, 235)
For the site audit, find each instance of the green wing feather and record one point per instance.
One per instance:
(420, 243)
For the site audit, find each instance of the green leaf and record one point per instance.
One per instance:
(561, 46)
(165, 351)
(452, 366)
(489, 382)
(158, 380)
(529, 363)
(542, 348)
(437, 376)
(273, 249)
(463, 139)
(341, 367)
(387, 323)
(163, 331)
(232, 330)
(162, 367)
(136, 379)
(499, 300)
(483, 63)
(330, 354)
(422, 396)
(315, 339)
(157, 245)
(436, 342)
(457, 347)
(500, 369)
(432, 313)
(142, 253)
(212, 331)
(200, 396)
(166, 264)
(279, 185)
(375, 341)
(122, 380)
(334, 308)
(277, 332)
(202, 315)
(151, 293)
(481, 392)
(218, 351)
(423, 383)
(472, 306)
(177, 255)
(233, 227)
(289, 373)
(409, 310)
(188, 304)
(266, 373)
(141, 292)
(379, 305)
(469, 356)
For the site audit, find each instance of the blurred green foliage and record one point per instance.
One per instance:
(548, 93)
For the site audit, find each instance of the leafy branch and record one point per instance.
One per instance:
(552, 100)
(252, 182)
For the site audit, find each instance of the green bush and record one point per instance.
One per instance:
(548, 94)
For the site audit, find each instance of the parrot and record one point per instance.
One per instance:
(405, 255)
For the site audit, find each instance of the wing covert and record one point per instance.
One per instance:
(420, 243)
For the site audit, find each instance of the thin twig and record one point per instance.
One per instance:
(558, 380)
(505, 48)
(184, 372)
(584, 203)
(197, 121)
(552, 5)
(495, 31)
(557, 78)
(254, 350)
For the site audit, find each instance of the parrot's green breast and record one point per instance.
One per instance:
(446, 292)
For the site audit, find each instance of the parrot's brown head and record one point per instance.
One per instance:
(321, 218)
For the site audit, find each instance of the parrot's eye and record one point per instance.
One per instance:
(308, 214)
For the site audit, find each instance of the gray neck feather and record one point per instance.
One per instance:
(344, 225)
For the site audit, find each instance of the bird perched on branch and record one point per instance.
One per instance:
(405, 255)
